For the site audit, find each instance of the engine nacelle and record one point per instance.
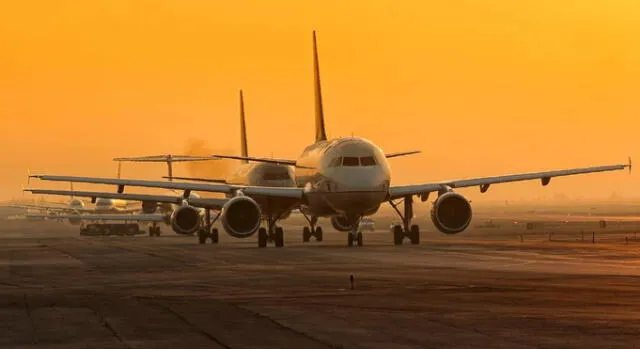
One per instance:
(241, 217)
(340, 223)
(186, 220)
(451, 213)
(149, 207)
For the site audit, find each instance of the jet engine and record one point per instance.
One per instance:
(451, 213)
(186, 220)
(149, 207)
(340, 223)
(241, 217)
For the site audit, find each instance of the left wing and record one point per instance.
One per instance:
(484, 182)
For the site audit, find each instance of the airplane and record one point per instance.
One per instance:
(346, 179)
(252, 174)
(52, 211)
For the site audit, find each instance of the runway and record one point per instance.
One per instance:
(60, 290)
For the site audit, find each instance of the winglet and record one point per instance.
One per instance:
(243, 131)
(629, 165)
(28, 176)
(321, 135)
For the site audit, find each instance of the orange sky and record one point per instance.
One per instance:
(481, 87)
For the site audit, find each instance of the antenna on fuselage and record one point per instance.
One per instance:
(321, 135)
(243, 131)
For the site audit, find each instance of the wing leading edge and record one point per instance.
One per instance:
(484, 182)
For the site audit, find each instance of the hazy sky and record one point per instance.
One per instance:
(481, 87)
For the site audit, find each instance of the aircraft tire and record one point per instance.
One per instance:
(306, 234)
(359, 238)
(215, 236)
(202, 236)
(318, 234)
(398, 235)
(262, 237)
(414, 235)
(279, 238)
(349, 240)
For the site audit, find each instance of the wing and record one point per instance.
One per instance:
(194, 179)
(52, 208)
(484, 182)
(166, 158)
(210, 203)
(107, 217)
(393, 155)
(284, 192)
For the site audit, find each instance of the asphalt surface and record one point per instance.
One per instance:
(60, 290)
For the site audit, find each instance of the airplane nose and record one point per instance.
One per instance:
(361, 179)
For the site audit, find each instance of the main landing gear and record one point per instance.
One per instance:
(208, 231)
(271, 233)
(311, 230)
(406, 229)
(154, 230)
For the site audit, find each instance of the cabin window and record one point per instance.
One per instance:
(350, 161)
(367, 161)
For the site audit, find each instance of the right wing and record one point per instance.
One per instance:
(283, 192)
(51, 208)
(195, 179)
(107, 217)
(210, 203)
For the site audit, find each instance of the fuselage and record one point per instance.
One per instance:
(103, 205)
(266, 175)
(347, 176)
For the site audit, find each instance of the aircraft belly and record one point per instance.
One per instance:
(354, 202)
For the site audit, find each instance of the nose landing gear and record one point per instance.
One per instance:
(311, 230)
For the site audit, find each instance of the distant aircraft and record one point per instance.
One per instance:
(243, 213)
(346, 179)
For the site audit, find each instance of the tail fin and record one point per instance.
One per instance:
(71, 187)
(243, 131)
(119, 169)
(321, 135)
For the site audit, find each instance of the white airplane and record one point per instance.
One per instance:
(345, 179)
(184, 219)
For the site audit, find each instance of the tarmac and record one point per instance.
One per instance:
(60, 290)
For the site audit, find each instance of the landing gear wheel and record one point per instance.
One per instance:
(349, 240)
(262, 237)
(157, 231)
(318, 234)
(359, 238)
(151, 231)
(306, 234)
(398, 235)
(202, 236)
(279, 237)
(215, 236)
(414, 235)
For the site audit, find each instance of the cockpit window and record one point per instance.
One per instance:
(350, 161)
(367, 161)
(336, 162)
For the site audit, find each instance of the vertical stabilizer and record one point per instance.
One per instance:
(321, 135)
(71, 187)
(119, 169)
(243, 131)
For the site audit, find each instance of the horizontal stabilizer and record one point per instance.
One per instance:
(195, 179)
(265, 160)
(166, 158)
(393, 155)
